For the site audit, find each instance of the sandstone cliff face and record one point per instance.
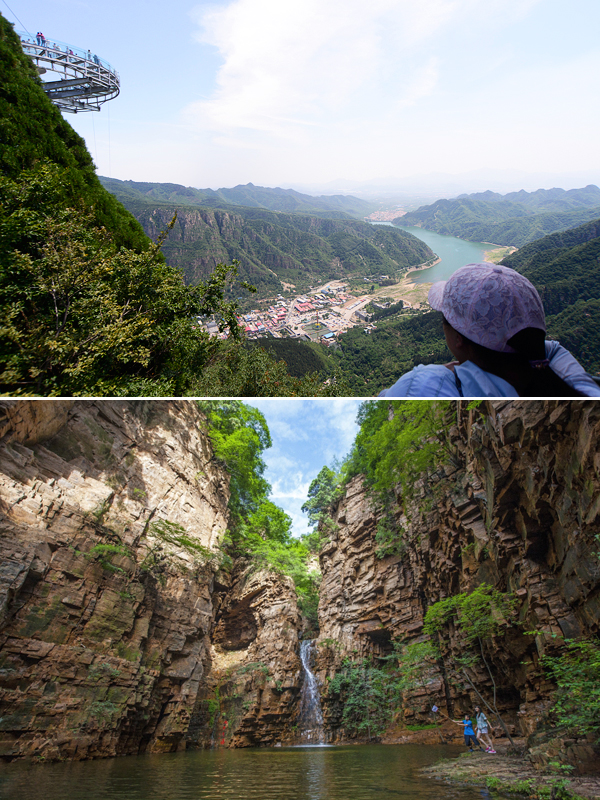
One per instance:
(120, 631)
(252, 693)
(109, 583)
(518, 511)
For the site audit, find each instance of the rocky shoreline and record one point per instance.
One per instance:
(514, 775)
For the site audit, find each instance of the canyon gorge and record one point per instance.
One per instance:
(125, 627)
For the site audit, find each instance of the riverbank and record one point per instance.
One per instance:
(420, 268)
(413, 295)
(512, 775)
(498, 252)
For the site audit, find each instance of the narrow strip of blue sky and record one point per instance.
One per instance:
(307, 434)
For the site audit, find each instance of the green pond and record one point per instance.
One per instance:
(363, 772)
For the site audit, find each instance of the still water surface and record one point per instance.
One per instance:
(454, 253)
(368, 772)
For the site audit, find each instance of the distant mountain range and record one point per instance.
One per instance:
(565, 268)
(433, 185)
(251, 196)
(512, 219)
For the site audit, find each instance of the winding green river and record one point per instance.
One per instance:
(367, 772)
(453, 252)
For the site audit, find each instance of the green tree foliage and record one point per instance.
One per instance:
(375, 361)
(562, 274)
(479, 614)
(301, 358)
(369, 695)
(578, 329)
(81, 316)
(576, 672)
(239, 435)
(321, 493)
(259, 530)
(32, 129)
(565, 270)
(475, 617)
(413, 661)
(269, 521)
(383, 313)
(398, 440)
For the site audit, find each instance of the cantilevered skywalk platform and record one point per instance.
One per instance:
(84, 81)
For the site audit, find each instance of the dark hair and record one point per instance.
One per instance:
(516, 368)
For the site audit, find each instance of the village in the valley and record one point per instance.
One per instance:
(324, 312)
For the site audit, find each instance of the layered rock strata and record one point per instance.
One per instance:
(111, 513)
(105, 617)
(252, 693)
(518, 509)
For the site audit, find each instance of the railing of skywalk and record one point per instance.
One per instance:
(66, 57)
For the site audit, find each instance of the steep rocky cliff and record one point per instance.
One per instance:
(111, 586)
(123, 629)
(251, 695)
(518, 509)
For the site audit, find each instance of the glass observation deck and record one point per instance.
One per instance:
(84, 80)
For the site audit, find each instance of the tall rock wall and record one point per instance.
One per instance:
(252, 694)
(519, 510)
(111, 586)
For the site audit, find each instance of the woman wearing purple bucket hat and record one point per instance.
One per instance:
(495, 328)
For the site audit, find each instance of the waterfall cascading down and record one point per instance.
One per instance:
(310, 719)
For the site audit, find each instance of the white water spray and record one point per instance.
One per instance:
(311, 718)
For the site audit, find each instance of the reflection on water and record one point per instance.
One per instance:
(369, 772)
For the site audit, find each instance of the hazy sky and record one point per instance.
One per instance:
(282, 91)
(307, 434)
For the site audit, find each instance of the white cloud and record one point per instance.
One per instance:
(293, 487)
(341, 88)
(307, 434)
(288, 67)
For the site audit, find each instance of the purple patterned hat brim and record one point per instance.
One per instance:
(436, 295)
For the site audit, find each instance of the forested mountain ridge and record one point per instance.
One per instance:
(513, 219)
(565, 269)
(274, 247)
(273, 199)
(33, 131)
(88, 305)
(536, 253)
(374, 362)
(544, 199)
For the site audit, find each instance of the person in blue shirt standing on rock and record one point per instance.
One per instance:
(495, 328)
(470, 738)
